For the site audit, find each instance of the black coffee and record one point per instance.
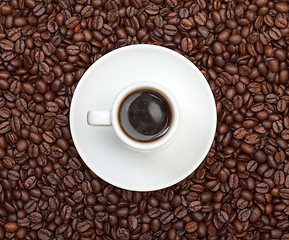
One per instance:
(145, 115)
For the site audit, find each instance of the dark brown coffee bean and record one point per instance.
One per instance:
(44, 68)
(48, 137)
(277, 126)
(44, 234)
(98, 22)
(195, 206)
(187, 44)
(284, 193)
(6, 44)
(281, 7)
(72, 50)
(19, 46)
(180, 212)
(71, 22)
(166, 217)
(284, 134)
(200, 19)
(30, 207)
(52, 26)
(247, 148)
(240, 133)
(30, 182)
(74, 163)
(233, 181)
(170, 30)
(171, 3)
(4, 127)
(152, 9)
(5, 112)
(244, 214)
(52, 106)
(222, 216)
(191, 227)
(132, 222)
(48, 191)
(48, 49)
(14, 34)
(13, 175)
(123, 234)
(38, 10)
(275, 33)
(87, 11)
(83, 226)
(106, 29)
(262, 188)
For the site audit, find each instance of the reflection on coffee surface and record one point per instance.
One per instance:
(145, 115)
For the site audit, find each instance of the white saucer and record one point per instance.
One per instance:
(99, 146)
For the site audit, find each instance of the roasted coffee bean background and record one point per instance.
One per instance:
(240, 191)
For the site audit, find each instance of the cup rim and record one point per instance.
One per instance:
(144, 146)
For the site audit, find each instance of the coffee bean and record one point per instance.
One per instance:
(180, 212)
(48, 191)
(247, 148)
(195, 206)
(44, 234)
(13, 175)
(170, 30)
(277, 126)
(83, 226)
(132, 222)
(233, 181)
(38, 10)
(191, 227)
(284, 134)
(275, 33)
(152, 9)
(74, 163)
(48, 49)
(284, 193)
(262, 188)
(244, 214)
(240, 133)
(14, 34)
(4, 127)
(71, 22)
(66, 212)
(72, 50)
(52, 26)
(222, 217)
(186, 24)
(30, 182)
(187, 44)
(5, 112)
(123, 234)
(200, 19)
(44, 68)
(30, 207)
(281, 7)
(35, 217)
(6, 44)
(166, 217)
(11, 226)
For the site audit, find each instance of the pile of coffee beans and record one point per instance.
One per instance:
(240, 191)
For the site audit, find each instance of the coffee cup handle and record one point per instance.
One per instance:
(99, 118)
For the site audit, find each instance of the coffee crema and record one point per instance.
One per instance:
(145, 115)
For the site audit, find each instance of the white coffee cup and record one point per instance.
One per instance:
(111, 117)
